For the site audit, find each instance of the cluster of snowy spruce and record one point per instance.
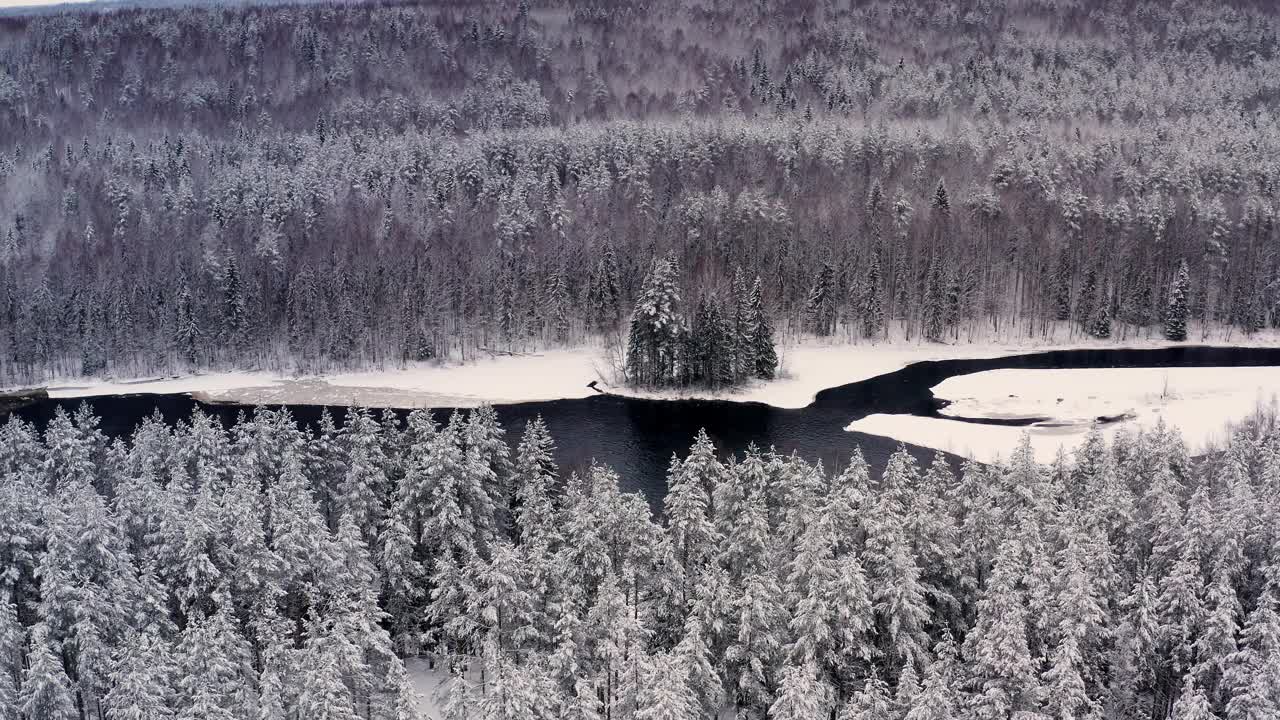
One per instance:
(319, 186)
(726, 344)
(272, 572)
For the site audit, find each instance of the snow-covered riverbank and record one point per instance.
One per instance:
(1197, 400)
(1067, 403)
(806, 369)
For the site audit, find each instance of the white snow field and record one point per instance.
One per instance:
(212, 383)
(1198, 401)
(805, 370)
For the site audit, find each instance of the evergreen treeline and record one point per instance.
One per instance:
(322, 186)
(267, 571)
(727, 343)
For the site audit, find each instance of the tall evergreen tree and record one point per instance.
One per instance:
(46, 689)
(872, 305)
(1178, 310)
(762, 354)
(657, 329)
(820, 309)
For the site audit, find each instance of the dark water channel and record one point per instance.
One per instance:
(637, 437)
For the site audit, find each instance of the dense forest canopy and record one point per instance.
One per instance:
(277, 572)
(334, 185)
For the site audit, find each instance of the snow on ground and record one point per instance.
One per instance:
(1198, 401)
(213, 383)
(430, 684)
(549, 375)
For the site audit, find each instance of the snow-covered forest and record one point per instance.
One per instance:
(339, 185)
(269, 571)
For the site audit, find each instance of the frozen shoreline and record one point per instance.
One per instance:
(807, 368)
(1199, 401)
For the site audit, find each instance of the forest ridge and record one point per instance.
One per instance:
(327, 186)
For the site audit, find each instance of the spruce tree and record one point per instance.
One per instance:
(872, 304)
(933, 305)
(657, 330)
(533, 478)
(996, 650)
(820, 308)
(142, 680)
(1060, 285)
(941, 198)
(1100, 323)
(1178, 310)
(46, 690)
(186, 333)
(762, 355)
(739, 321)
(235, 321)
(801, 695)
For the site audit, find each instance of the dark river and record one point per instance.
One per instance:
(638, 437)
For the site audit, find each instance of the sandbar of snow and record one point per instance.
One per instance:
(1198, 401)
(212, 383)
(549, 375)
(806, 368)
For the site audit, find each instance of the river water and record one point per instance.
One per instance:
(638, 437)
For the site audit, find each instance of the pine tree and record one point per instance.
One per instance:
(186, 334)
(762, 355)
(665, 693)
(1178, 310)
(1192, 704)
(820, 308)
(870, 702)
(141, 680)
(363, 487)
(687, 510)
(1100, 322)
(941, 198)
(710, 349)
(996, 650)
(801, 695)
(872, 304)
(46, 690)
(11, 646)
(932, 309)
(235, 319)
(533, 477)
(657, 329)
(604, 293)
(1060, 285)
(938, 697)
(556, 300)
(739, 321)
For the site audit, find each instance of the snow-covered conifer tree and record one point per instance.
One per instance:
(142, 679)
(761, 351)
(820, 309)
(46, 689)
(1178, 310)
(657, 329)
(800, 694)
(1000, 666)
